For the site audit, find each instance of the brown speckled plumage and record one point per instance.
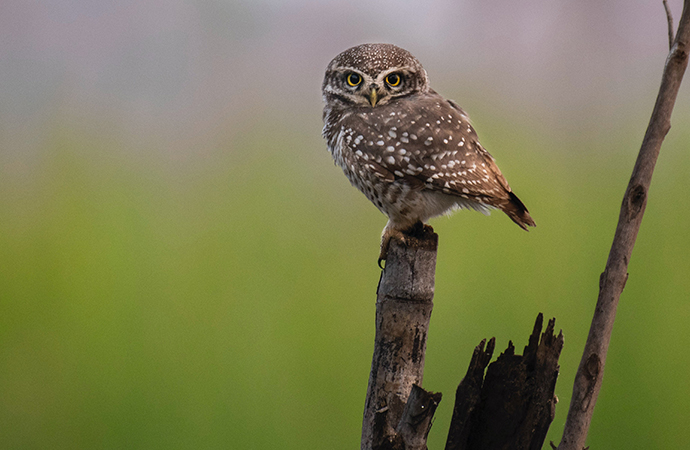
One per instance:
(413, 153)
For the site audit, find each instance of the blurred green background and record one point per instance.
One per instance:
(183, 267)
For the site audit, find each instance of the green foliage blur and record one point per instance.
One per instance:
(230, 303)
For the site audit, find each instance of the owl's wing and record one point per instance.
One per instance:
(428, 143)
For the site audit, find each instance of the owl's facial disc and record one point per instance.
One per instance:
(372, 89)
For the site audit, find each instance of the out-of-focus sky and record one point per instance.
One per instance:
(183, 72)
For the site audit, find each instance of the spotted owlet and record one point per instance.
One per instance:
(413, 153)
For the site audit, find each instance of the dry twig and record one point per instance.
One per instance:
(669, 19)
(591, 370)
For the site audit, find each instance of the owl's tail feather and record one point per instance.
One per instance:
(517, 212)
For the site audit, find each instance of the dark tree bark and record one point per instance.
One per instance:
(468, 395)
(515, 404)
(612, 281)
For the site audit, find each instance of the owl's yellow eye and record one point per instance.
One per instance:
(354, 79)
(393, 80)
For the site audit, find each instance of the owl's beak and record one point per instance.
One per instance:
(373, 97)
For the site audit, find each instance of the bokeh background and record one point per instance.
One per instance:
(183, 267)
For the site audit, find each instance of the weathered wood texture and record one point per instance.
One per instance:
(514, 405)
(468, 395)
(612, 281)
(415, 422)
(403, 310)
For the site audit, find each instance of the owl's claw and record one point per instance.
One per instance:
(385, 243)
(388, 234)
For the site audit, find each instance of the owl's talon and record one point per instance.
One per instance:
(385, 244)
(389, 233)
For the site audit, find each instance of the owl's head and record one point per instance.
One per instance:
(372, 75)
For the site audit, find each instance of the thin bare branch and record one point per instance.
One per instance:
(669, 19)
(591, 370)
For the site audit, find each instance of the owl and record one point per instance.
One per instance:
(413, 153)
